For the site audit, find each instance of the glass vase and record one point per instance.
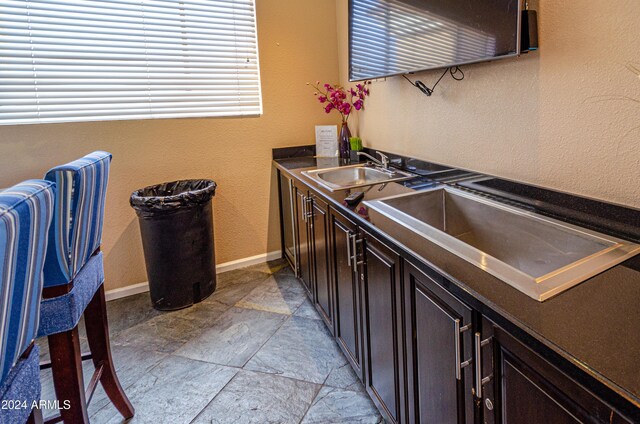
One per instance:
(343, 141)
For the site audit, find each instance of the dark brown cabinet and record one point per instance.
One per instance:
(313, 256)
(423, 355)
(288, 218)
(439, 346)
(348, 316)
(303, 245)
(381, 280)
(321, 268)
(521, 387)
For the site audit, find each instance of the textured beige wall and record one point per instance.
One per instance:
(542, 118)
(297, 42)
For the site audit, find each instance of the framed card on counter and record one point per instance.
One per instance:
(327, 141)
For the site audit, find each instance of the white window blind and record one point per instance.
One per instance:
(77, 60)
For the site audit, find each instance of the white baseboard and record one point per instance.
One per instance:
(245, 262)
(126, 291)
(220, 268)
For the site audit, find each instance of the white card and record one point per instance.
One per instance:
(327, 141)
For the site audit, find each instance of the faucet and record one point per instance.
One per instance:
(383, 162)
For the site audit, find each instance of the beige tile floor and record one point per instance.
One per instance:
(253, 352)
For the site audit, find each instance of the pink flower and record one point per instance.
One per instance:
(345, 108)
(344, 100)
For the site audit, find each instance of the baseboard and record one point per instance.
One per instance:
(126, 291)
(245, 262)
(220, 268)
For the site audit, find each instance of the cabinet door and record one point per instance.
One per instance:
(321, 272)
(348, 319)
(439, 352)
(304, 251)
(522, 387)
(382, 330)
(287, 219)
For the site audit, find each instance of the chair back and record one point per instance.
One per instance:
(76, 231)
(25, 215)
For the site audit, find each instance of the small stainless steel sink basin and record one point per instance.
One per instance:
(539, 256)
(345, 177)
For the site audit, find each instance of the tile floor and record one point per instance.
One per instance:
(253, 352)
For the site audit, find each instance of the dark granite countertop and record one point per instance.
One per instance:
(590, 331)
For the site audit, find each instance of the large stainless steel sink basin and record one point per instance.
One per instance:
(353, 176)
(537, 255)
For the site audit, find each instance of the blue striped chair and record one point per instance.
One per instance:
(25, 216)
(73, 286)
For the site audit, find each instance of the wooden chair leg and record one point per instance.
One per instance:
(35, 417)
(95, 318)
(66, 366)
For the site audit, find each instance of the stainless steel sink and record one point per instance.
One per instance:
(539, 256)
(353, 176)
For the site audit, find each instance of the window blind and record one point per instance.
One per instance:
(89, 60)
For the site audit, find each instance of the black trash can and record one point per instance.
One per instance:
(176, 223)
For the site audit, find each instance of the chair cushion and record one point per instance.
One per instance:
(76, 230)
(25, 215)
(62, 313)
(22, 387)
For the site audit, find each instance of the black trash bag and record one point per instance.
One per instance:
(171, 196)
(176, 223)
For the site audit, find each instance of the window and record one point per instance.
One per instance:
(92, 60)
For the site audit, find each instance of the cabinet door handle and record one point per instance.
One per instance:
(458, 334)
(480, 381)
(304, 208)
(349, 234)
(355, 253)
(354, 249)
(310, 209)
